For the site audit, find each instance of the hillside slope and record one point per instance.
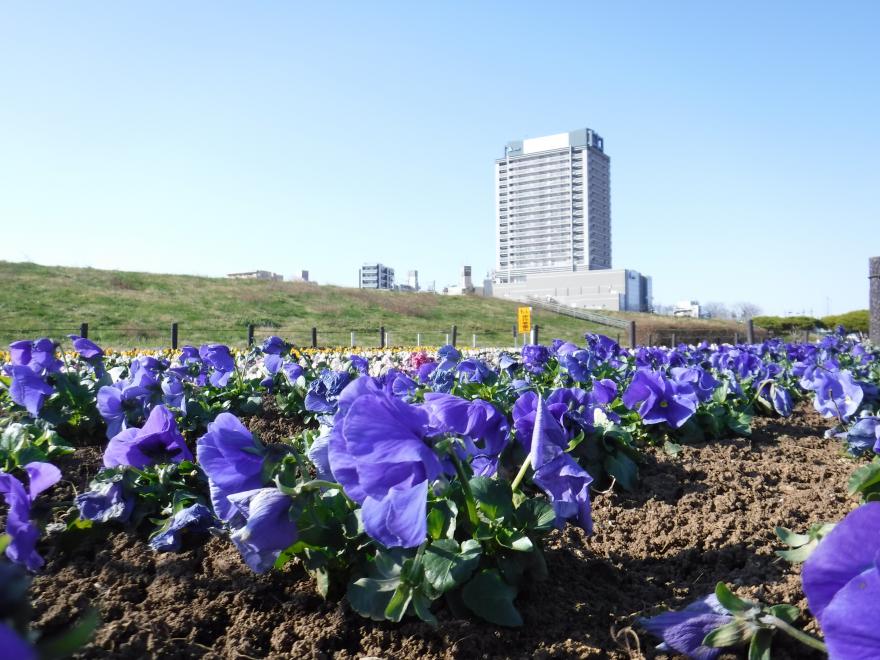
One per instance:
(136, 309)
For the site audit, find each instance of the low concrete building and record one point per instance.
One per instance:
(256, 275)
(614, 290)
(376, 276)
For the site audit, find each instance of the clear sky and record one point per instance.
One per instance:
(212, 137)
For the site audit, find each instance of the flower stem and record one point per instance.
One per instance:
(522, 473)
(316, 484)
(799, 635)
(466, 488)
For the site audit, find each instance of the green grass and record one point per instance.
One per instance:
(126, 309)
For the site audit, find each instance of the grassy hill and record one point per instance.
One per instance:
(125, 309)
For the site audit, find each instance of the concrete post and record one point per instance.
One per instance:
(382, 336)
(352, 339)
(874, 306)
(632, 334)
(750, 331)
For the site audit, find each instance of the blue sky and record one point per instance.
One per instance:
(212, 137)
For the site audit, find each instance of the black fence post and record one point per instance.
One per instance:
(632, 334)
(514, 334)
(314, 338)
(174, 335)
(84, 330)
(250, 335)
(454, 334)
(672, 343)
(382, 336)
(750, 331)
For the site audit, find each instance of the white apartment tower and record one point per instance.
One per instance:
(553, 206)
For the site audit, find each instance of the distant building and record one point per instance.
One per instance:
(303, 276)
(687, 308)
(376, 276)
(256, 275)
(552, 206)
(412, 280)
(614, 290)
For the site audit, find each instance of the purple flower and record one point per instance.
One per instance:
(698, 378)
(379, 455)
(221, 360)
(425, 370)
(158, 441)
(292, 370)
(837, 394)
(87, 349)
(263, 526)
(359, 363)
(565, 483)
(659, 399)
(684, 631)
(478, 423)
(38, 355)
(27, 389)
(274, 346)
(232, 459)
(535, 357)
(24, 533)
(475, 371)
(841, 580)
(324, 391)
(196, 518)
(106, 502)
(524, 412)
(117, 401)
(604, 391)
(14, 646)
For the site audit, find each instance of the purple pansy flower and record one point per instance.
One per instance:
(263, 526)
(685, 630)
(158, 441)
(379, 455)
(196, 518)
(535, 357)
(23, 532)
(232, 459)
(107, 502)
(841, 580)
(220, 359)
(660, 399)
(28, 390)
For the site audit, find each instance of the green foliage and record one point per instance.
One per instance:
(855, 321)
(802, 545)
(865, 481)
(21, 444)
(783, 324)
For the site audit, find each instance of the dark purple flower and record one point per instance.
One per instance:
(38, 355)
(698, 378)
(425, 370)
(116, 402)
(841, 580)
(659, 399)
(196, 518)
(379, 455)
(685, 630)
(221, 360)
(173, 391)
(565, 483)
(292, 370)
(535, 357)
(274, 346)
(232, 459)
(604, 391)
(475, 371)
(14, 646)
(263, 525)
(107, 502)
(27, 389)
(324, 391)
(158, 441)
(23, 532)
(524, 412)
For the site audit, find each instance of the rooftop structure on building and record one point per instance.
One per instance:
(376, 276)
(256, 275)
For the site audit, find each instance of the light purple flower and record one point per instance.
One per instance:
(158, 441)
(23, 532)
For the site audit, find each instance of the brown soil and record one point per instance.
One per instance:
(702, 517)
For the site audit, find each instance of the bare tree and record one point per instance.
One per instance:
(716, 310)
(746, 310)
(663, 310)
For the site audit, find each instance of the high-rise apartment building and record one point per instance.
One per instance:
(376, 276)
(553, 206)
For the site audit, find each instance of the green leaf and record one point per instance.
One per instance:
(400, 600)
(740, 422)
(730, 634)
(788, 613)
(422, 606)
(671, 448)
(494, 498)
(491, 598)
(447, 565)
(729, 601)
(759, 647)
(791, 538)
(797, 555)
(864, 478)
(5, 540)
(536, 515)
(441, 519)
(370, 597)
(623, 468)
(66, 644)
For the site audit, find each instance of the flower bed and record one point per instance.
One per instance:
(550, 502)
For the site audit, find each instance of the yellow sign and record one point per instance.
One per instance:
(524, 319)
